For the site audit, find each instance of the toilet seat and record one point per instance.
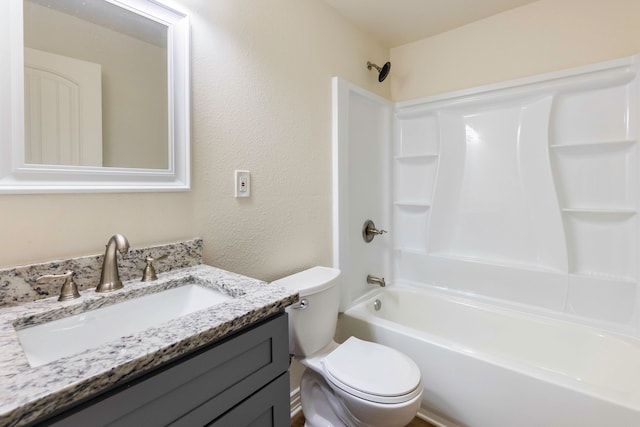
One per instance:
(372, 372)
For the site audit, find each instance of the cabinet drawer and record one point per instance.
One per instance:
(224, 374)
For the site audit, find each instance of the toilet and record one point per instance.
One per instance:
(357, 383)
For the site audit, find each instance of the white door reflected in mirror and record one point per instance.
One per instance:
(63, 110)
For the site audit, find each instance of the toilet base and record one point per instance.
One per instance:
(324, 405)
(320, 405)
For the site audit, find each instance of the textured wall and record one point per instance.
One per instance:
(261, 100)
(544, 36)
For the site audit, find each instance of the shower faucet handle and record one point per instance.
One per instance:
(369, 231)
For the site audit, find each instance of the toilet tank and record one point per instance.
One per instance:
(313, 327)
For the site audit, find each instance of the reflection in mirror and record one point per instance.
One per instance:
(95, 85)
(104, 94)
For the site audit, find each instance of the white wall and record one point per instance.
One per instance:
(544, 36)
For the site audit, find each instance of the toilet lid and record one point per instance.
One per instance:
(373, 371)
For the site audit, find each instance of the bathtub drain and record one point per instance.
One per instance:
(377, 304)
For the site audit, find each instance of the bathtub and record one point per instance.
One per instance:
(488, 366)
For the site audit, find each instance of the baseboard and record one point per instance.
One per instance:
(296, 404)
(434, 419)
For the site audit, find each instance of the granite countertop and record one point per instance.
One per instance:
(27, 393)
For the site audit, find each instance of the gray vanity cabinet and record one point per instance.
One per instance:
(239, 381)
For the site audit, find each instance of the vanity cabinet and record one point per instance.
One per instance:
(241, 380)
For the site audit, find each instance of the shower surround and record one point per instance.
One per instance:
(520, 196)
(525, 192)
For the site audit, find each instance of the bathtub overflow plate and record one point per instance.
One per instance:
(377, 304)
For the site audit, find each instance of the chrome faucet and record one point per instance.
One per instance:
(110, 279)
(376, 280)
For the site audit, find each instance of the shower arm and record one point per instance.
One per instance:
(371, 64)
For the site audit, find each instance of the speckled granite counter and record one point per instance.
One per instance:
(27, 394)
(18, 284)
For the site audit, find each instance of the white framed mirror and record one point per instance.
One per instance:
(94, 96)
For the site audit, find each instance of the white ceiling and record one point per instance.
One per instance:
(397, 22)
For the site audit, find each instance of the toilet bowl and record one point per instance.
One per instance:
(357, 383)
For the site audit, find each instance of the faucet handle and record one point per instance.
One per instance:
(369, 231)
(69, 289)
(149, 272)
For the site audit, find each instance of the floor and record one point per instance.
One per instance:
(298, 421)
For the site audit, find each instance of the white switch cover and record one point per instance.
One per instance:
(243, 183)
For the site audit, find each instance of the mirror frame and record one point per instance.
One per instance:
(17, 177)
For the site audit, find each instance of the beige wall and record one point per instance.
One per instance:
(544, 36)
(261, 100)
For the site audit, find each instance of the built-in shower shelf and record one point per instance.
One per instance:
(617, 211)
(416, 157)
(617, 143)
(409, 251)
(603, 277)
(496, 263)
(412, 203)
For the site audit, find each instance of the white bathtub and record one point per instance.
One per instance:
(486, 366)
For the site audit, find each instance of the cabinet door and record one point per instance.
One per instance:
(268, 407)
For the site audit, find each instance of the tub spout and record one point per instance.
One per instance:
(376, 280)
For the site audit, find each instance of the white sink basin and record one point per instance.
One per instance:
(70, 335)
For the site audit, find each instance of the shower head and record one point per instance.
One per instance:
(383, 72)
